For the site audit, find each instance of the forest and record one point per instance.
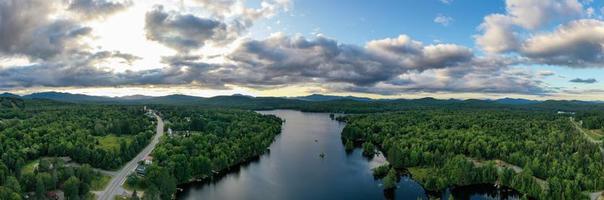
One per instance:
(33, 132)
(204, 142)
(591, 119)
(535, 149)
(539, 153)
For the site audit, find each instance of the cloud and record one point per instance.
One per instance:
(281, 59)
(446, 1)
(183, 32)
(498, 35)
(584, 92)
(242, 16)
(26, 29)
(104, 55)
(545, 73)
(443, 20)
(409, 54)
(586, 81)
(94, 9)
(85, 69)
(532, 14)
(481, 75)
(386, 66)
(499, 31)
(579, 43)
(238, 8)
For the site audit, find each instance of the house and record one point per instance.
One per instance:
(141, 169)
(148, 160)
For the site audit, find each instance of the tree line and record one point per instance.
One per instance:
(545, 145)
(66, 130)
(205, 142)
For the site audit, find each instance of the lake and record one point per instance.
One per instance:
(294, 170)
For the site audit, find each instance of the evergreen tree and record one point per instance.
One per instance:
(40, 189)
(71, 188)
(390, 180)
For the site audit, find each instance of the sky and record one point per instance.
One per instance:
(535, 49)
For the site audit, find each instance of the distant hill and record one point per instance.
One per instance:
(135, 97)
(6, 94)
(512, 101)
(320, 97)
(68, 97)
(311, 103)
(173, 99)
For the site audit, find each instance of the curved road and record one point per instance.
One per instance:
(114, 187)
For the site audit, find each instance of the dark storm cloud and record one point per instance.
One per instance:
(183, 32)
(586, 81)
(275, 62)
(92, 9)
(84, 69)
(482, 75)
(389, 66)
(25, 29)
(283, 60)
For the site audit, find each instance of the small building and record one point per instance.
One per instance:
(141, 169)
(565, 113)
(148, 160)
(55, 195)
(170, 132)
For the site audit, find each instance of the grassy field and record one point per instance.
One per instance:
(419, 173)
(110, 142)
(99, 182)
(29, 167)
(596, 134)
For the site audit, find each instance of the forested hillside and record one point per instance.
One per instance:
(33, 135)
(324, 103)
(538, 153)
(203, 142)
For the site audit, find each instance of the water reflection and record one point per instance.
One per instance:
(294, 169)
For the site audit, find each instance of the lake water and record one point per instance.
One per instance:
(293, 169)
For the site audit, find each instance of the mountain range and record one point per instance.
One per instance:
(238, 99)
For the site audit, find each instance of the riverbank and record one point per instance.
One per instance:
(217, 175)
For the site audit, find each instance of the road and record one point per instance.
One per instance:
(500, 164)
(114, 187)
(589, 138)
(595, 195)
